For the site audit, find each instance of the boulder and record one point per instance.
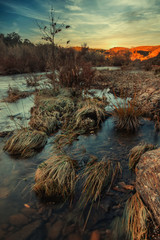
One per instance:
(148, 181)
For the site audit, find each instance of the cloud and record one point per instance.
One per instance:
(24, 11)
(16, 27)
(76, 2)
(100, 23)
(73, 8)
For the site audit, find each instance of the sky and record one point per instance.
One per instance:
(99, 23)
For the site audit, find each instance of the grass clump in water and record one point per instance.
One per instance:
(127, 115)
(136, 153)
(56, 178)
(96, 177)
(47, 124)
(135, 218)
(25, 142)
(90, 114)
(48, 111)
(15, 94)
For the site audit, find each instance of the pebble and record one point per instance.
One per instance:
(55, 230)
(25, 232)
(4, 226)
(69, 229)
(95, 235)
(29, 212)
(74, 236)
(18, 220)
(4, 192)
(2, 233)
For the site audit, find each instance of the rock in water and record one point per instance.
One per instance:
(148, 181)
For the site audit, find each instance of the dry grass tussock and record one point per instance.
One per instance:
(59, 103)
(32, 80)
(136, 153)
(96, 177)
(127, 115)
(90, 113)
(44, 121)
(135, 218)
(25, 142)
(56, 177)
(48, 111)
(15, 94)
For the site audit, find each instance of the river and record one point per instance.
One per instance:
(23, 215)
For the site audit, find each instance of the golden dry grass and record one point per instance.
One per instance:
(15, 94)
(48, 111)
(127, 114)
(135, 218)
(91, 109)
(137, 151)
(96, 177)
(56, 177)
(25, 142)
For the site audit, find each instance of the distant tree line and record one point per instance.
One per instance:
(12, 39)
(19, 55)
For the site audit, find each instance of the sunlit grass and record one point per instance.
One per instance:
(126, 114)
(135, 218)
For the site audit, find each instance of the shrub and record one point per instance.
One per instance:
(76, 75)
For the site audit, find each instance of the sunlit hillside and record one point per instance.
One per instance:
(140, 52)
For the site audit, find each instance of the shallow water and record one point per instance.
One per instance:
(17, 177)
(40, 220)
(107, 68)
(16, 115)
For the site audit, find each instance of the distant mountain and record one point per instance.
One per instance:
(141, 52)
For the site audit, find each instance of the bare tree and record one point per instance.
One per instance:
(49, 34)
